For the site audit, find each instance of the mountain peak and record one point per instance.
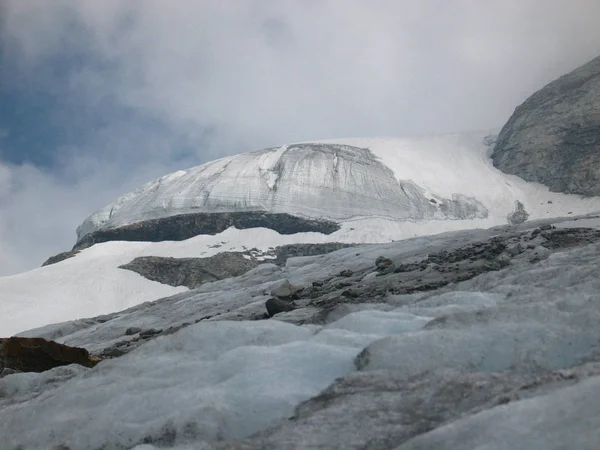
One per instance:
(430, 178)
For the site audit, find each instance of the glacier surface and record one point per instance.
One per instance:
(515, 359)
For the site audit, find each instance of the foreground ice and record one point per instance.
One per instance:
(205, 383)
(566, 419)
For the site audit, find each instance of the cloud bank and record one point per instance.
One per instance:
(163, 85)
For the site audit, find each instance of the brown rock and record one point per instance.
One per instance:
(39, 355)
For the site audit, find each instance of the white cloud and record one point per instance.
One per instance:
(39, 211)
(261, 73)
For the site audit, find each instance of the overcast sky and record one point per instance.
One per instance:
(97, 97)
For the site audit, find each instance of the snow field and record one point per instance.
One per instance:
(91, 283)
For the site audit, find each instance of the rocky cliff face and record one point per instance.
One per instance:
(185, 226)
(553, 138)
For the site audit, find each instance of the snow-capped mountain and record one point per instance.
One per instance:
(404, 180)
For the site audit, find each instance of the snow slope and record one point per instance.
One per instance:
(91, 283)
(414, 179)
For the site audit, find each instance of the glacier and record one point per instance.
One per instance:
(506, 359)
(430, 178)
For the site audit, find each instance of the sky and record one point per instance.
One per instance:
(98, 97)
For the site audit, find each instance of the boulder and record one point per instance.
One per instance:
(519, 215)
(383, 263)
(184, 226)
(191, 272)
(285, 289)
(553, 138)
(39, 355)
(276, 306)
(132, 330)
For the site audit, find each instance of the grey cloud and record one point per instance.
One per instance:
(237, 76)
(274, 71)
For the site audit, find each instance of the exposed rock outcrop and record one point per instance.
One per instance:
(185, 226)
(194, 272)
(276, 305)
(191, 272)
(38, 355)
(60, 257)
(519, 215)
(553, 138)
(282, 253)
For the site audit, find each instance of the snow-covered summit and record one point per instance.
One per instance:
(410, 179)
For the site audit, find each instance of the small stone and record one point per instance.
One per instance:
(346, 273)
(8, 371)
(515, 249)
(132, 330)
(172, 330)
(383, 263)
(275, 306)
(284, 289)
(149, 333)
(349, 293)
(539, 253)
(113, 352)
(317, 283)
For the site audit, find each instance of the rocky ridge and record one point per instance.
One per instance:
(553, 138)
